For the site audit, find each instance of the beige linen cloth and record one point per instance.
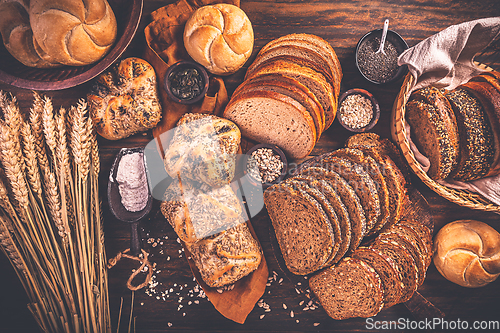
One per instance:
(445, 60)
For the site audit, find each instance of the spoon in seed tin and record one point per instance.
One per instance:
(384, 35)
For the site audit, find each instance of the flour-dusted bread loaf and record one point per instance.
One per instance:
(350, 289)
(203, 149)
(124, 100)
(45, 33)
(196, 211)
(226, 257)
(467, 252)
(219, 37)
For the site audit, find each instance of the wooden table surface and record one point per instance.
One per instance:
(341, 23)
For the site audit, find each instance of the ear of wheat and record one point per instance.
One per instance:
(50, 215)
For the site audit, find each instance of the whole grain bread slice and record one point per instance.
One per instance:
(371, 145)
(476, 138)
(434, 129)
(290, 89)
(343, 221)
(360, 181)
(302, 228)
(297, 183)
(411, 236)
(313, 80)
(405, 265)
(369, 165)
(385, 267)
(270, 117)
(348, 290)
(349, 198)
(423, 233)
(489, 97)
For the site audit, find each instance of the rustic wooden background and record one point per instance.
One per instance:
(341, 23)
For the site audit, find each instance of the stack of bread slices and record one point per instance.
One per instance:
(458, 130)
(289, 95)
(324, 211)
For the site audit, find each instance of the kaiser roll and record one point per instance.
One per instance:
(219, 37)
(467, 252)
(124, 100)
(51, 33)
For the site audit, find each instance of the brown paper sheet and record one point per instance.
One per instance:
(164, 48)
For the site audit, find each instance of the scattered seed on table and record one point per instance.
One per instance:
(316, 324)
(262, 316)
(292, 314)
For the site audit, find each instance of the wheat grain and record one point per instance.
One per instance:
(13, 165)
(79, 138)
(11, 112)
(54, 202)
(62, 152)
(49, 126)
(9, 246)
(30, 154)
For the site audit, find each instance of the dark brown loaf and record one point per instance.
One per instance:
(476, 139)
(302, 228)
(350, 289)
(434, 130)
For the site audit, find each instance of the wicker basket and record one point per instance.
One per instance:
(398, 131)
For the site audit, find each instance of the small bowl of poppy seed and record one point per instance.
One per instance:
(266, 164)
(186, 82)
(358, 110)
(380, 67)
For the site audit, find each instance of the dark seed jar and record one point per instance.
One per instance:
(186, 83)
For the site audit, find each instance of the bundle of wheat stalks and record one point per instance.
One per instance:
(50, 216)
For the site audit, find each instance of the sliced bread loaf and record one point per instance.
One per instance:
(274, 118)
(302, 228)
(349, 198)
(386, 268)
(324, 186)
(313, 80)
(350, 289)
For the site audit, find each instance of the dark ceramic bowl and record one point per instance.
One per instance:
(180, 66)
(375, 109)
(277, 151)
(128, 16)
(395, 39)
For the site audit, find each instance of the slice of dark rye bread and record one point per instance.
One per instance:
(476, 139)
(302, 228)
(411, 236)
(289, 89)
(402, 240)
(405, 265)
(325, 187)
(489, 98)
(274, 118)
(360, 181)
(327, 208)
(371, 167)
(434, 129)
(371, 145)
(423, 233)
(349, 289)
(312, 79)
(349, 198)
(385, 267)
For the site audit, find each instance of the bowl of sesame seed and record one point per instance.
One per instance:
(358, 110)
(266, 164)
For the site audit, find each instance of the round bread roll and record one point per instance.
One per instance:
(219, 37)
(52, 33)
(467, 252)
(124, 100)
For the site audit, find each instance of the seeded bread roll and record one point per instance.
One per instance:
(124, 100)
(467, 253)
(203, 149)
(219, 37)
